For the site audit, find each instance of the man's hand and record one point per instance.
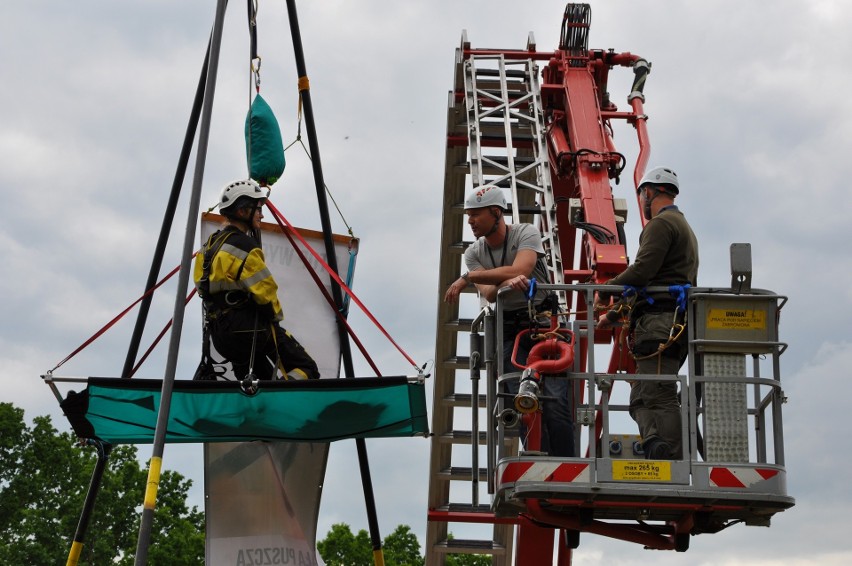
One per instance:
(610, 317)
(519, 283)
(604, 323)
(454, 290)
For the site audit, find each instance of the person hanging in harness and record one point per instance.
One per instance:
(241, 307)
(667, 256)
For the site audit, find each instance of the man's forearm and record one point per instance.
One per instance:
(495, 277)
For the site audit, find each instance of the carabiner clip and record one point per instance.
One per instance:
(530, 294)
(255, 69)
(531, 290)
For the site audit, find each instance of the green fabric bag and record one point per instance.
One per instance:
(264, 148)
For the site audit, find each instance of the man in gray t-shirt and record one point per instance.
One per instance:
(506, 255)
(523, 239)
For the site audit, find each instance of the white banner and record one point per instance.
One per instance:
(263, 502)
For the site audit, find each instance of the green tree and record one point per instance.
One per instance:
(341, 548)
(401, 548)
(44, 479)
(468, 560)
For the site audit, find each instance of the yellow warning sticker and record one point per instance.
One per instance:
(736, 319)
(642, 470)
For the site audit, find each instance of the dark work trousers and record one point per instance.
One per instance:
(557, 430)
(232, 333)
(655, 405)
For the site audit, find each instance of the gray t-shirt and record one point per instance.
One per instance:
(479, 255)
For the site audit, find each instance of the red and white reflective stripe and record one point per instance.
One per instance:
(739, 477)
(544, 472)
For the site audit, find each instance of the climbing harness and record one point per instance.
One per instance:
(632, 294)
(207, 368)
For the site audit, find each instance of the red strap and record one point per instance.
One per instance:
(110, 324)
(280, 218)
(159, 337)
(330, 301)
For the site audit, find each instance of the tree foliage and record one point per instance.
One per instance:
(400, 548)
(44, 479)
(341, 548)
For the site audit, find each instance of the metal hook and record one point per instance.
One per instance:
(249, 385)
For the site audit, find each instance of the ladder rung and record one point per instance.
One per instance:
(467, 546)
(462, 400)
(459, 324)
(492, 134)
(468, 513)
(462, 473)
(458, 247)
(460, 437)
(532, 209)
(519, 160)
(467, 508)
(485, 72)
(513, 93)
(457, 362)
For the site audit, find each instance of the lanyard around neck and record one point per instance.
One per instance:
(505, 247)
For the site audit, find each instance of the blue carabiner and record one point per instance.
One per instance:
(531, 290)
(630, 290)
(679, 293)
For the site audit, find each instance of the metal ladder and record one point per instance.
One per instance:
(495, 135)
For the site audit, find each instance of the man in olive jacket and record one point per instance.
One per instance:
(668, 255)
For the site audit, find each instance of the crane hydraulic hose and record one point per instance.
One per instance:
(641, 68)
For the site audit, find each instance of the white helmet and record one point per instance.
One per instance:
(661, 176)
(484, 196)
(244, 188)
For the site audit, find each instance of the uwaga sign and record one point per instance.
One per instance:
(736, 319)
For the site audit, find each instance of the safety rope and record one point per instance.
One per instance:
(679, 292)
(673, 337)
(253, 75)
(328, 192)
(283, 221)
(304, 84)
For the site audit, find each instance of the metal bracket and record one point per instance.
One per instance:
(585, 416)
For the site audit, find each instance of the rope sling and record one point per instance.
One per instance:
(625, 308)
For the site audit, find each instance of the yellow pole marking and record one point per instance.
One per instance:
(74, 555)
(153, 483)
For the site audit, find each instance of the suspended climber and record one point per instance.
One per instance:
(241, 308)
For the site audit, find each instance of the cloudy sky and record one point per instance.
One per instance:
(744, 102)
